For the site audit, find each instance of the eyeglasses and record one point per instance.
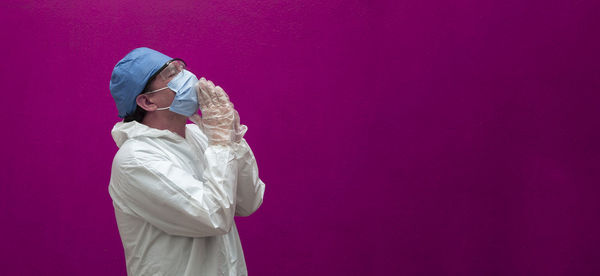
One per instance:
(172, 68)
(167, 71)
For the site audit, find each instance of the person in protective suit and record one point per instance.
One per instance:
(176, 187)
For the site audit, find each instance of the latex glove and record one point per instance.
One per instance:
(238, 130)
(218, 114)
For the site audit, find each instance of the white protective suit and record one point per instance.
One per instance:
(175, 200)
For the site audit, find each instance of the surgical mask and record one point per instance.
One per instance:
(186, 99)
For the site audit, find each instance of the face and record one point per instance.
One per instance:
(159, 97)
(164, 98)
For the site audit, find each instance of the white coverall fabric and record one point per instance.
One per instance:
(175, 200)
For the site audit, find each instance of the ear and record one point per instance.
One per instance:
(145, 103)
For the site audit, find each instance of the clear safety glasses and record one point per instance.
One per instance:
(169, 71)
(172, 68)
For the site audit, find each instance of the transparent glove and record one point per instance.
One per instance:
(238, 130)
(218, 114)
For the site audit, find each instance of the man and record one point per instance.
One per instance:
(175, 186)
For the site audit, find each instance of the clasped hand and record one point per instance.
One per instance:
(220, 121)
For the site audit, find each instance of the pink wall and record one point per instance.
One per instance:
(394, 137)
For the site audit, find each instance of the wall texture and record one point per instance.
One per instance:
(395, 137)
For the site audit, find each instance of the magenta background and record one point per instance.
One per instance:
(394, 137)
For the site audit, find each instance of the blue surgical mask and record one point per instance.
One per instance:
(186, 99)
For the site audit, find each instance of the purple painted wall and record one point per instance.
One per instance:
(394, 137)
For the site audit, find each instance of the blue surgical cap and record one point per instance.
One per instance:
(131, 75)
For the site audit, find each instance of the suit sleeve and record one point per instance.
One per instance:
(250, 189)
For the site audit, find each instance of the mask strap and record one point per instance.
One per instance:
(154, 91)
(157, 90)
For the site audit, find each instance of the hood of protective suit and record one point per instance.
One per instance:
(121, 132)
